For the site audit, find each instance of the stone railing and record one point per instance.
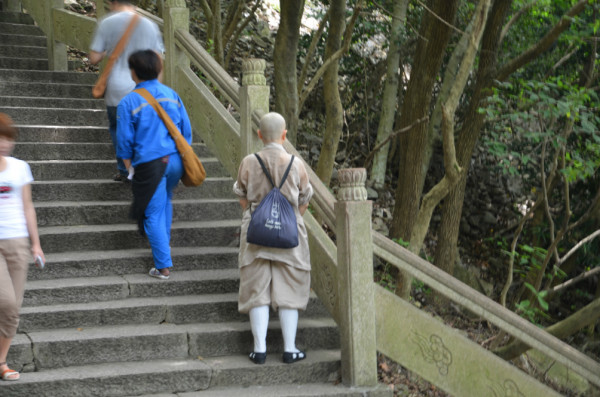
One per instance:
(370, 318)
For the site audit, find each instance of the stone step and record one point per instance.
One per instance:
(48, 76)
(29, 89)
(133, 311)
(89, 190)
(97, 345)
(17, 28)
(173, 376)
(22, 39)
(15, 18)
(22, 51)
(186, 309)
(77, 151)
(333, 388)
(112, 287)
(32, 64)
(54, 103)
(125, 236)
(62, 134)
(47, 170)
(73, 264)
(64, 151)
(70, 213)
(73, 117)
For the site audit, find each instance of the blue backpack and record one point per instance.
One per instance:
(273, 222)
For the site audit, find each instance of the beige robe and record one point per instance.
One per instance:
(252, 184)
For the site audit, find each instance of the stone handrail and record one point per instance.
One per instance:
(64, 27)
(485, 307)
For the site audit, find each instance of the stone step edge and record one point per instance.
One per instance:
(58, 204)
(79, 335)
(106, 371)
(44, 83)
(332, 388)
(94, 110)
(176, 276)
(44, 162)
(118, 227)
(82, 256)
(129, 303)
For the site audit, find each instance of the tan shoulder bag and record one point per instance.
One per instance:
(194, 173)
(100, 86)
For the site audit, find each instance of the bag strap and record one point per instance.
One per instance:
(121, 44)
(173, 130)
(285, 175)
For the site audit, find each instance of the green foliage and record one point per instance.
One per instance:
(401, 242)
(529, 112)
(534, 311)
(384, 277)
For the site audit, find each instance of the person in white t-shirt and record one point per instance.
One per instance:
(145, 36)
(19, 239)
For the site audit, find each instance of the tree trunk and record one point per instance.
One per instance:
(284, 61)
(425, 69)
(445, 254)
(427, 62)
(580, 319)
(334, 112)
(452, 169)
(389, 101)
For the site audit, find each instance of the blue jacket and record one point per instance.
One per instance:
(141, 134)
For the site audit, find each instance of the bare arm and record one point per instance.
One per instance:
(127, 163)
(302, 208)
(31, 220)
(96, 57)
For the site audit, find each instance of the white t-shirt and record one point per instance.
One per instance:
(111, 28)
(12, 216)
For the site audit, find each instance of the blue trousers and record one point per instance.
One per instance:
(159, 214)
(111, 111)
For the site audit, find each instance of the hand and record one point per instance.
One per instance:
(37, 250)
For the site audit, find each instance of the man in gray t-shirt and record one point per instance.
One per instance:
(111, 28)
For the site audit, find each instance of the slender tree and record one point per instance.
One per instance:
(284, 60)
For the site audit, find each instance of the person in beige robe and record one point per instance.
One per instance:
(276, 277)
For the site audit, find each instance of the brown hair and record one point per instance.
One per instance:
(7, 128)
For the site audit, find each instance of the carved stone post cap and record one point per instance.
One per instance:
(253, 71)
(352, 184)
(175, 4)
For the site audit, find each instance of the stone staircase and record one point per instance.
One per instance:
(93, 323)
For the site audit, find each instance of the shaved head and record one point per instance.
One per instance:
(272, 126)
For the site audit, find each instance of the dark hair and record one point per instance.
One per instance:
(7, 128)
(146, 64)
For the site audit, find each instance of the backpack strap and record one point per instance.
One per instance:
(287, 171)
(264, 169)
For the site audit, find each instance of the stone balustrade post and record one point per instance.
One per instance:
(57, 51)
(176, 16)
(355, 279)
(13, 5)
(254, 95)
(100, 9)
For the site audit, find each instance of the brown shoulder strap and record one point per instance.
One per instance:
(173, 130)
(121, 44)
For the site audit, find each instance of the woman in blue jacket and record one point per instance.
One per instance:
(144, 144)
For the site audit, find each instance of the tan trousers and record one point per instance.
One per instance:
(14, 262)
(266, 282)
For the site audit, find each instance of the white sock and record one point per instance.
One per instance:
(259, 322)
(288, 318)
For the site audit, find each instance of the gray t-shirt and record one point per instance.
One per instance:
(146, 35)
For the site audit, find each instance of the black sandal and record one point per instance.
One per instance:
(257, 358)
(290, 358)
